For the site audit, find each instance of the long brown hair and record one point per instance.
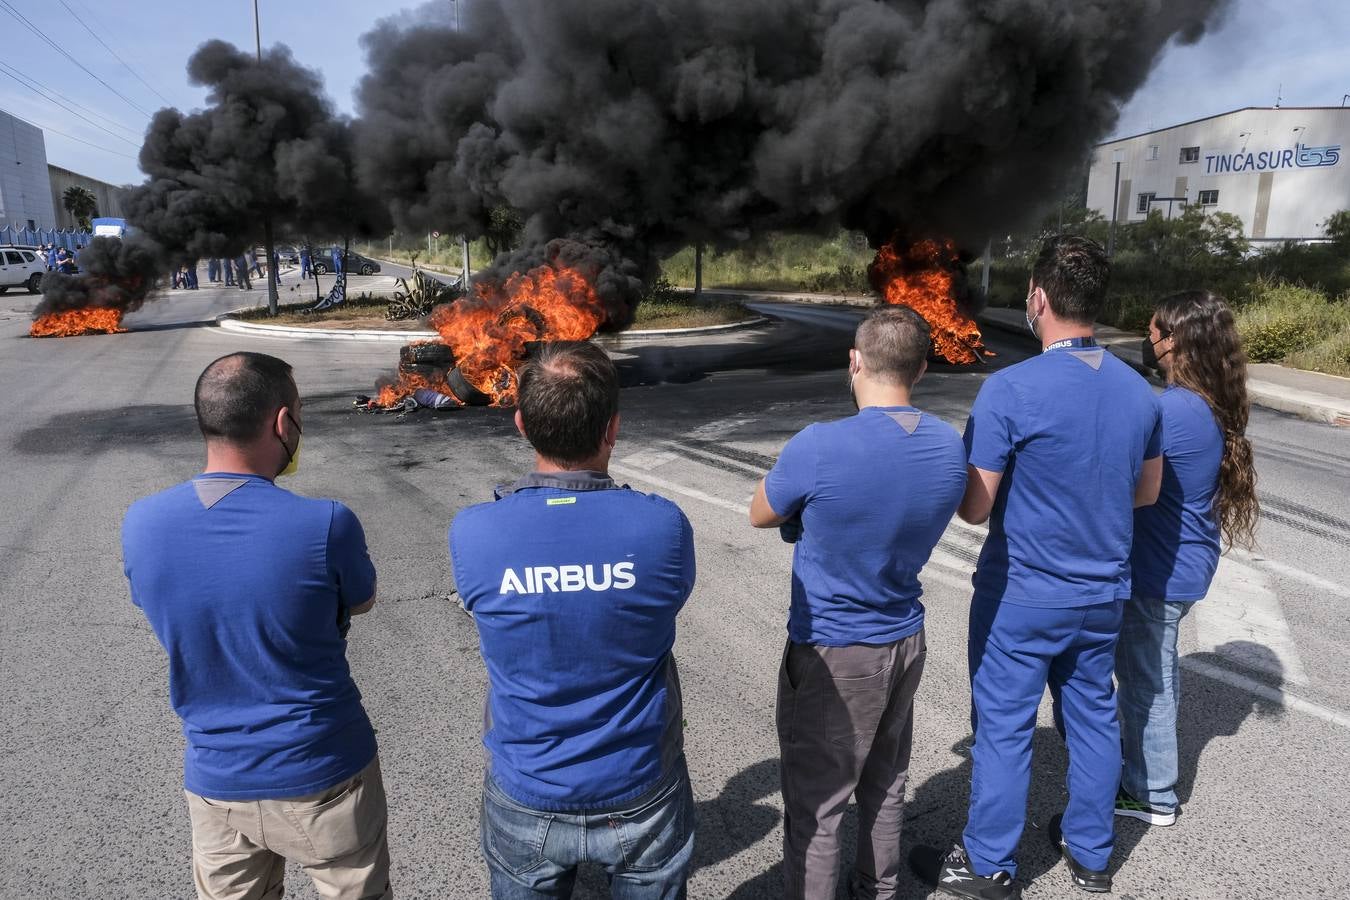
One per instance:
(1207, 358)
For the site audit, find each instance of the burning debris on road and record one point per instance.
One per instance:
(929, 276)
(568, 292)
(116, 276)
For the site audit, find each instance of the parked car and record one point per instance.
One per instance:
(289, 255)
(21, 267)
(356, 263)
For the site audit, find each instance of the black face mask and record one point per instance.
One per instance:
(1149, 349)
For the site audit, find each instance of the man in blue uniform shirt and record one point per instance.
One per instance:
(250, 589)
(1062, 448)
(574, 583)
(873, 494)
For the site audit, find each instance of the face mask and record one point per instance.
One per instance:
(1149, 350)
(1031, 320)
(292, 456)
(853, 394)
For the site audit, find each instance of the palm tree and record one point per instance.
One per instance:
(80, 203)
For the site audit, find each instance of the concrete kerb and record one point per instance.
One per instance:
(227, 322)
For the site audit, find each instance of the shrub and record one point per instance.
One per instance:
(1285, 319)
(1331, 355)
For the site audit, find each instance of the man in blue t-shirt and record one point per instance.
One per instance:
(251, 589)
(574, 583)
(866, 498)
(1062, 448)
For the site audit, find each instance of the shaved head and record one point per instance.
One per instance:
(894, 342)
(237, 395)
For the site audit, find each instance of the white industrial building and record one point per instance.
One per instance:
(25, 186)
(1279, 170)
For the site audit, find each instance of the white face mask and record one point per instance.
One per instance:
(1031, 320)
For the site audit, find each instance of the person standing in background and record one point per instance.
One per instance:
(1208, 495)
(871, 496)
(251, 589)
(1062, 448)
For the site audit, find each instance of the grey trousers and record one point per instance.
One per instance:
(845, 727)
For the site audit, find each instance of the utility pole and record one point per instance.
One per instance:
(698, 271)
(464, 246)
(1115, 211)
(269, 241)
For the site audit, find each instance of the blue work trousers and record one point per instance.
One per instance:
(1014, 653)
(645, 846)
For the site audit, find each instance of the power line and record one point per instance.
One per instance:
(71, 137)
(3, 71)
(38, 87)
(124, 63)
(59, 49)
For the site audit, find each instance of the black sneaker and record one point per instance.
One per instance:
(1096, 881)
(951, 874)
(1131, 808)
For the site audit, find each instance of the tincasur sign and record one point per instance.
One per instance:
(1300, 157)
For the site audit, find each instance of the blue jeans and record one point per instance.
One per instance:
(1014, 653)
(1150, 684)
(644, 847)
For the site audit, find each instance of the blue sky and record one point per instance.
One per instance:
(1261, 45)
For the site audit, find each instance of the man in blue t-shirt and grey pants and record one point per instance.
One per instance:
(1062, 448)
(251, 590)
(866, 498)
(574, 583)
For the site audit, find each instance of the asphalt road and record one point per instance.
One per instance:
(91, 752)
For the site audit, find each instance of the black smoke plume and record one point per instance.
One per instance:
(653, 124)
(268, 143)
(114, 274)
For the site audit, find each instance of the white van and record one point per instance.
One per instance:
(21, 267)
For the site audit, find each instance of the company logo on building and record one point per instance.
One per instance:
(1300, 157)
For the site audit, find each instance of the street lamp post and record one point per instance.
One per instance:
(269, 242)
(1117, 156)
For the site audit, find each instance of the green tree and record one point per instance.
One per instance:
(80, 203)
(1337, 228)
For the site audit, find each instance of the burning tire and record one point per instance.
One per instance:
(466, 392)
(432, 374)
(34, 284)
(431, 353)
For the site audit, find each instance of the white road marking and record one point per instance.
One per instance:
(1252, 686)
(1322, 584)
(1241, 607)
(675, 487)
(650, 459)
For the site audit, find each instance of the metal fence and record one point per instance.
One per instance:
(41, 237)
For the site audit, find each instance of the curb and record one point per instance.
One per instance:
(1308, 405)
(226, 323)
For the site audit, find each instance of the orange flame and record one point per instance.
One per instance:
(72, 322)
(921, 276)
(488, 332)
(390, 394)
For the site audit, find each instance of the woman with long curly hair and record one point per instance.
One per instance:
(1208, 499)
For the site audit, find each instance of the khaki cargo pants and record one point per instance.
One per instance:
(240, 847)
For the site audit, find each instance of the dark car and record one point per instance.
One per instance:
(356, 263)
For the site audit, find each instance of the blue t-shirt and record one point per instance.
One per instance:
(1070, 430)
(247, 586)
(1176, 541)
(875, 492)
(574, 584)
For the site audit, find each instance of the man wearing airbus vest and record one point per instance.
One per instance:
(574, 583)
